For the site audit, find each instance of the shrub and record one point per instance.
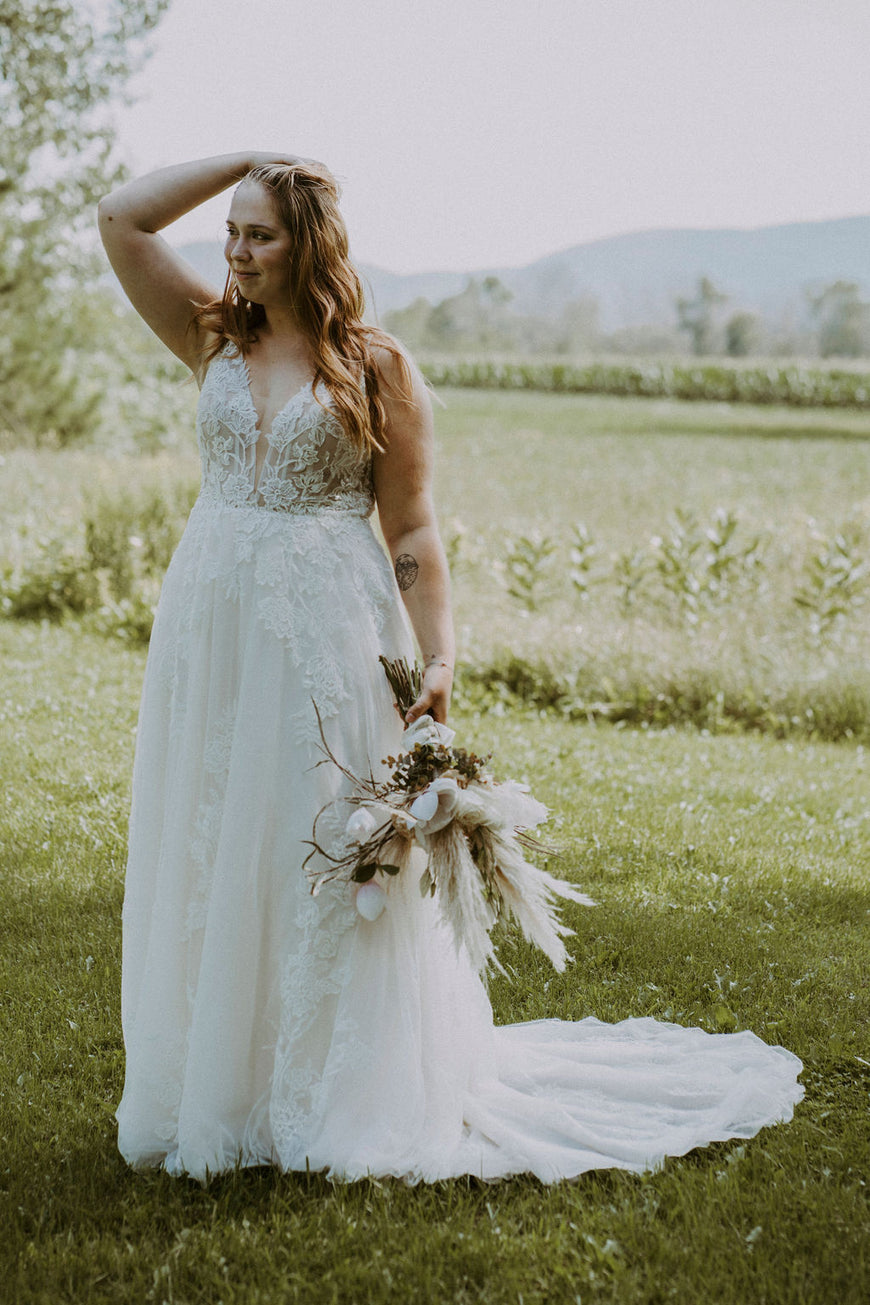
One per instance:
(131, 534)
(49, 585)
(700, 567)
(109, 526)
(583, 555)
(130, 618)
(833, 708)
(129, 538)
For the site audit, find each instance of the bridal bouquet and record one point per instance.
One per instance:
(474, 829)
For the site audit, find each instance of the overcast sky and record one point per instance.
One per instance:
(472, 133)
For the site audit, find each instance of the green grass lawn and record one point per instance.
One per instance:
(732, 880)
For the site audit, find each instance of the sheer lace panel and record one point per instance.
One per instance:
(308, 463)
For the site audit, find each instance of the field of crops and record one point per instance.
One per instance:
(775, 382)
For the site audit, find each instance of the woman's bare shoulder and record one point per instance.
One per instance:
(396, 369)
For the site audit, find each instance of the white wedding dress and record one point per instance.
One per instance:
(266, 1026)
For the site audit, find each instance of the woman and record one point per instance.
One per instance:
(263, 1025)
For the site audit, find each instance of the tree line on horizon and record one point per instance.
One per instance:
(482, 320)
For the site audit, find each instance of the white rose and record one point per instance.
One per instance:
(436, 806)
(360, 826)
(370, 900)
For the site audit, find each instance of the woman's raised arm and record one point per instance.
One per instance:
(403, 489)
(162, 287)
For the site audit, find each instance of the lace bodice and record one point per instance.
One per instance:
(308, 465)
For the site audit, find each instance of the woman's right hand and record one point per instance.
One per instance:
(288, 160)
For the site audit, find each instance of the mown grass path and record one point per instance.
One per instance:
(733, 888)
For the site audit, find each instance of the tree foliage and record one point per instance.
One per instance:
(842, 319)
(61, 62)
(741, 335)
(697, 317)
(481, 317)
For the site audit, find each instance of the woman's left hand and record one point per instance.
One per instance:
(435, 696)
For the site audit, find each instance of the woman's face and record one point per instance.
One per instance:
(258, 247)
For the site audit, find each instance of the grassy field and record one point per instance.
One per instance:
(731, 872)
(623, 468)
(720, 576)
(732, 882)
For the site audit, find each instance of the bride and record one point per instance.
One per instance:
(263, 1025)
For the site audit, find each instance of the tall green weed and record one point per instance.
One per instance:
(113, 576)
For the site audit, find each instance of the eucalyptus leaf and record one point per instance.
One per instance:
(364, 873)
(389, 869)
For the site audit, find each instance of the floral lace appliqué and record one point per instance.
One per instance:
(308, 463)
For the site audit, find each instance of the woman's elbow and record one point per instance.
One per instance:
(392, 538)
(113, 216)
(105, 213)
(397, 530)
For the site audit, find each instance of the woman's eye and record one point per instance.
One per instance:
(255, 235)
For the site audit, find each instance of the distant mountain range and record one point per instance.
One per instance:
(636, 278)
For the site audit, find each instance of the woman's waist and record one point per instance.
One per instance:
(346, 504)
(283, 550)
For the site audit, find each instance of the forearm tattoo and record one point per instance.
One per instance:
(406, 570)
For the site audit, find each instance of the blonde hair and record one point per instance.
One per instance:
(327, 297)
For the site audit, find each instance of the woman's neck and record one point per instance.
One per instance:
(282, 323)
(281, 336)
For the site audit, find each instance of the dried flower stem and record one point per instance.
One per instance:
(405, 681)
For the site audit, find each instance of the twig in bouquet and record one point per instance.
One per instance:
(480, 848)
(370, 784)
(364, 860)
(533, 844)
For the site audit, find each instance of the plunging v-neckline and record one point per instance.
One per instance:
(259, 430)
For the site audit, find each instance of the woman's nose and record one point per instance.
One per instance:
(237, 250)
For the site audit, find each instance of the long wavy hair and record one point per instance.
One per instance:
(327, 297)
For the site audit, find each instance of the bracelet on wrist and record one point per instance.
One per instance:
(437, 661)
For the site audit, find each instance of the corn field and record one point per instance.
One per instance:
(714, 382)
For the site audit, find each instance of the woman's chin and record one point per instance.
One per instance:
(246, 286)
